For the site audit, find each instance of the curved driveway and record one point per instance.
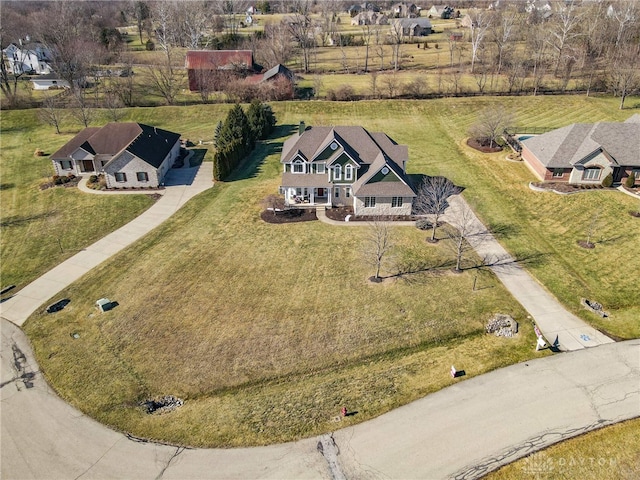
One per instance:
(180, 186)
(462, 431)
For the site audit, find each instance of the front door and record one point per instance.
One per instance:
(321, 192)
(87, 166)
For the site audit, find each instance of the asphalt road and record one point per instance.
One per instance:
(462, 431)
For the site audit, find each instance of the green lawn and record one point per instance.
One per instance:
(607, 453)
(250, 322)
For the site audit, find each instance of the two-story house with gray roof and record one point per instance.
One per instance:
(585, 153)
(128, 154)
(346, 166)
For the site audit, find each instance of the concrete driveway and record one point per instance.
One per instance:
(181, 185)
(462, 431)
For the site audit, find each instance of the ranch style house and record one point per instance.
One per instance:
(346, 166)
(128, 154)
(585, 153)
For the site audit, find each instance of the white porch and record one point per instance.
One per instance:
(307, 196)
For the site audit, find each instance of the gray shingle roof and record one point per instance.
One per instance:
(567, 146)
(371, 150)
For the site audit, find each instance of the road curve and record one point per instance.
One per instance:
(462, 431)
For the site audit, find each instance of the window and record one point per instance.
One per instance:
(369, 202)
(336, 192)
(298, 167)
(65, 164)
(320, 168)
(591, 173)
(558, 172)
(337, 172)
(121, 177)
(142, 176)
(396, 202)
(348, 172)
(347, 192)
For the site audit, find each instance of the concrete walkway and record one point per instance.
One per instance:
(180, 186)
(561, 328)
(462, 431)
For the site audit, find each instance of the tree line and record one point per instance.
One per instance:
(235, 138)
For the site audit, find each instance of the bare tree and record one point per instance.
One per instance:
(52, 111)
(164, 13)
(536, 41)
(564, 32)
(141, 12)
(463, 223)
(491, 123)
(378, 246)
(195, 17)
(82, 109)
(392, 82)
(366, 39)
(431, 199)
(301, 28)
(625, 15)
(373, 83)
(481, 20)
(624, 71)
(163, 81)
(276, 46)
(396, 35)
(503, 29)
(112, 102)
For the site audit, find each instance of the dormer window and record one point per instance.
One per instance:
(320, 168)
(337, 172)
(297, 167)
(348, 172)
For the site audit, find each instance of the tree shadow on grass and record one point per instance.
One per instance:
(250, 167)
(503, 230)
(19, 220)
(419, 272)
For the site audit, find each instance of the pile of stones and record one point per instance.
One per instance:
(502, 325)
(162, 405)
(595, 307)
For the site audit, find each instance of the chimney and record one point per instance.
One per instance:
(301, 128)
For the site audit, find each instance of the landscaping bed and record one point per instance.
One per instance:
(567, 188)
(483, 146)
(339, 214)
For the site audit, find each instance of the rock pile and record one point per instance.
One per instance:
(502, 325)
(595, 307)
(162, 405)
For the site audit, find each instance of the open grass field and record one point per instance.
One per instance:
(267, 330)
(611, 452)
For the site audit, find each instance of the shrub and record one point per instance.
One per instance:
(344, 93)
(607, 181)
(38, 153)
(93, 179)
(150, 45)
(57, 180)
(423, 224)
(630, 181)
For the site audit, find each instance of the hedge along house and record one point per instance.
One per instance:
(346, 166)
(128, 154)
(585, 153)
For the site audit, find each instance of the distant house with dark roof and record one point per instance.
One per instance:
(413, 27)
(200, 63)
(585, 153)
(128, 154)
(346, 166)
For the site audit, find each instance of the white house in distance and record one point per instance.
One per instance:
(31, 57)
(346, 166)
(128, 154)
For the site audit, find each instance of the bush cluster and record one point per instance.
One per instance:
(236, 136)
(61, 180)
